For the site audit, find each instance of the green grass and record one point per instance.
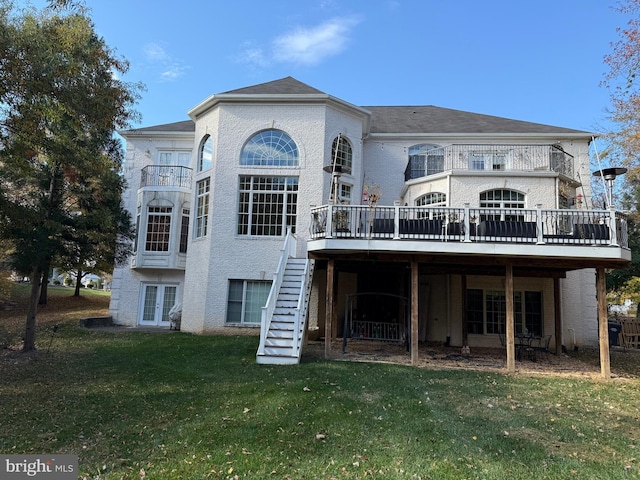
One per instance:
(176, 406)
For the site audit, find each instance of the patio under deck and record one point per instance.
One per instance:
(505, 242)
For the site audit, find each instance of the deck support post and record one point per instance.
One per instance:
(330, 308)
(603, 323)
(557, 314)
(510, 330)
(414, 312)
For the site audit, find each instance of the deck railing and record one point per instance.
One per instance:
(510, 225)
(492, 158)
(166, 176)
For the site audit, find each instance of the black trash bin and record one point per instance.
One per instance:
(614, 331)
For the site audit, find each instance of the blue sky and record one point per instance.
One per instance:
(539, 61)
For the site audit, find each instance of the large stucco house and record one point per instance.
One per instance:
(391, 222)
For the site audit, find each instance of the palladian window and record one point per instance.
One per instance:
(270, 148)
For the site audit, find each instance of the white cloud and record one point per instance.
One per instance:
(304, 46)
(154, 52)
(174, 72)
(254, 56)
(310, 46)
(170, 69)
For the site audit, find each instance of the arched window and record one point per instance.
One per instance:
(270, 148)
(424, 160)
(433, 199)
(205, 153)
(504, 199)
(341, 152)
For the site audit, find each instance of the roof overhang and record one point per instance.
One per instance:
(280, 99)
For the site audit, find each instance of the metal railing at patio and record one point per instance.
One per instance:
(166, 176)
(493, 158)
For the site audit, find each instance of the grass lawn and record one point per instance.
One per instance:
(176, 406)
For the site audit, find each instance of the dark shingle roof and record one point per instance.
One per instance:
(283, 86)
(430, 119)
(185, 126)
(392, 119)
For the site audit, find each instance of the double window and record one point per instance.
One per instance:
(488, 160)
(245, 301)
(487, 312)
(267, 205)
(425, 160)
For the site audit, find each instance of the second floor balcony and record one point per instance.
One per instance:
(546, 233)
(173, 176)
(494, 158)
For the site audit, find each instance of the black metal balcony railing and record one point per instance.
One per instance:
(512, 225)
(490, 158)
(166, 176)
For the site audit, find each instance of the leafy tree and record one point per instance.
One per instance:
(60, 101)
(624, 138)
(101, 228)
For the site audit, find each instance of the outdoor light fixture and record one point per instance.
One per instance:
(610, 174)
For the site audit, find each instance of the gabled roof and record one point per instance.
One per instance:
(430, 119)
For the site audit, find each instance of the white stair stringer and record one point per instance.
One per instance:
(284, 316)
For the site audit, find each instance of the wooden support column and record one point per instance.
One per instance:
(510, 330)
(557, 314)
(603, 323)
(414, 312)
(330, 308)
(463, 306)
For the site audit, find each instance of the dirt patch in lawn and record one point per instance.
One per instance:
(438, 356)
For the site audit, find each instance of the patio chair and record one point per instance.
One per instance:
(539, 344)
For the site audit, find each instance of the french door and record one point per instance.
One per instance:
(156, 301)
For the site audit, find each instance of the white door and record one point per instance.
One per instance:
(157, 300)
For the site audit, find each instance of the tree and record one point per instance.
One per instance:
(624, 138)
(101, 230)
(60, 101)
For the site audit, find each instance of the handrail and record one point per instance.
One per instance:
(539, 226)
(288, 250)
(550, 158)
(301, 308)
(165, 176)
